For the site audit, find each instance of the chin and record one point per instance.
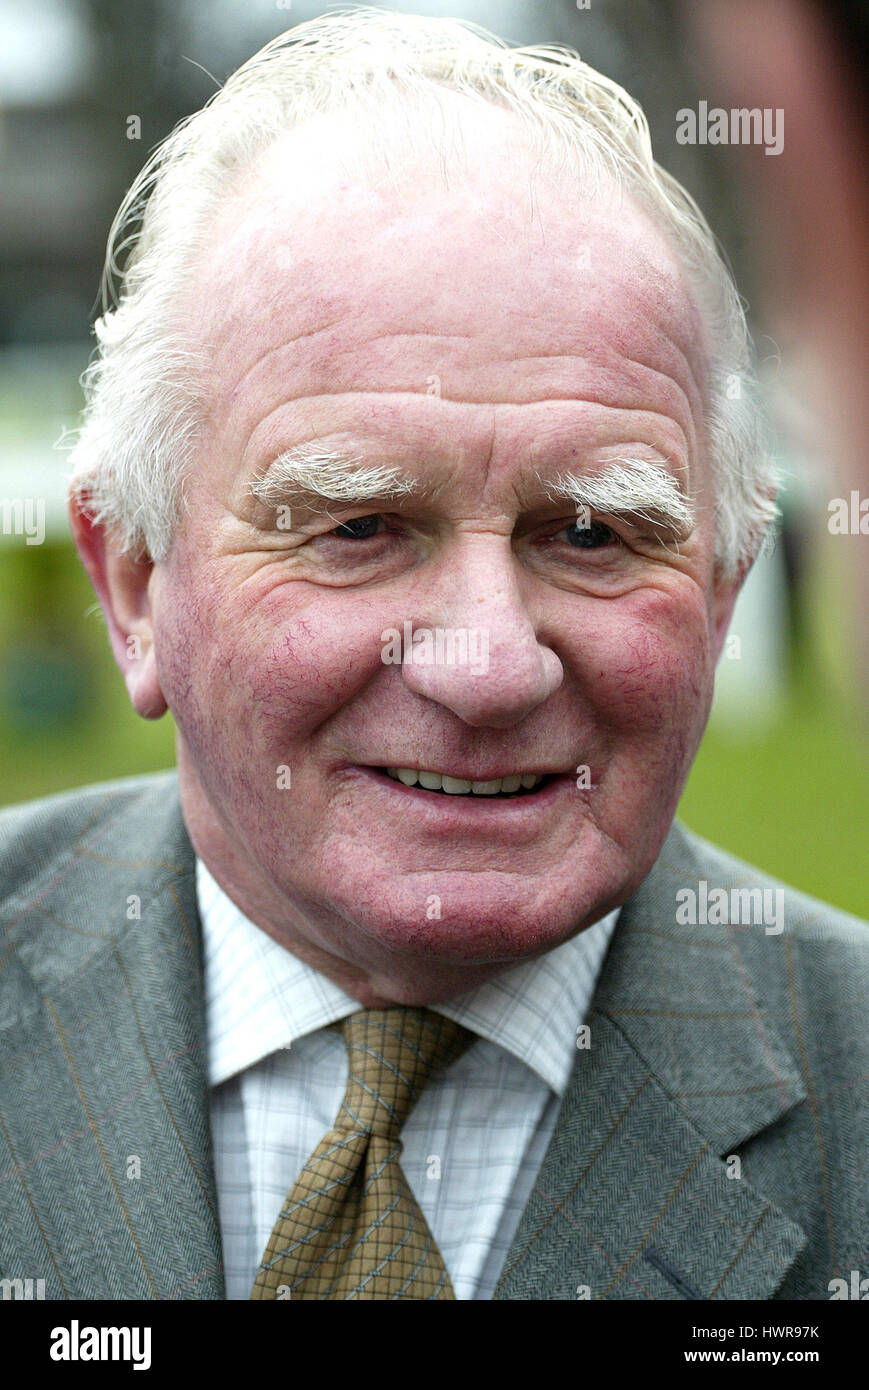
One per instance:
(495, 923)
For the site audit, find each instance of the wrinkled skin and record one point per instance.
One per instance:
(561, 335)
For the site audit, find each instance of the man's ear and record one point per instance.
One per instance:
(122, 587)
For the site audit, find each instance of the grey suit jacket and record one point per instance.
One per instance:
(712, 1143)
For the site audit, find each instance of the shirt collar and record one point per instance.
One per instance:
(260, 998)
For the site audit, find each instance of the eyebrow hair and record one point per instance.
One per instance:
(627, 486)
(305, 469)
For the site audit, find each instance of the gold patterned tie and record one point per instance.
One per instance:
(351, 1227)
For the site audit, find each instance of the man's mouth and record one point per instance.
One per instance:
(515, 784)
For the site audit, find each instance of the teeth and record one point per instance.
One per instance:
(459, 786)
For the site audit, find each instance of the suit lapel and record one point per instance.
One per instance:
(635, 1198)
(106, 1177)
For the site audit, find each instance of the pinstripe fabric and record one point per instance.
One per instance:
(708, 1044)
(351, 1227)
(472, 1146)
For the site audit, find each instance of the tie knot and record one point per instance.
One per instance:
(392, 1053)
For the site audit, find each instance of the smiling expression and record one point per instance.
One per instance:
(478, 347)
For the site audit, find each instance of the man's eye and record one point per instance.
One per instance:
(590, 537)
(359, 529)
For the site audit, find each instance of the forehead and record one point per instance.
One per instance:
(340, 268)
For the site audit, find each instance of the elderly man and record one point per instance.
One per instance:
(419, 477)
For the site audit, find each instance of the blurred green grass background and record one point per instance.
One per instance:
(792, 798)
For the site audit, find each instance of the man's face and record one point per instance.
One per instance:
(480, 352)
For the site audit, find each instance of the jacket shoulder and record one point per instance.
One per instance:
(36, 835)
(758, 1014)
(690, 859)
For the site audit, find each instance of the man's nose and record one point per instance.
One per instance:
(473, 646)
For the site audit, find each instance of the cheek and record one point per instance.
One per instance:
(188, 659)
(305, 668)
(180, 620)
(652, 681)
(650, 692)
(276, 665)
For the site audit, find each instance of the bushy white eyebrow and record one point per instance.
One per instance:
(635, 487)
(339, 478)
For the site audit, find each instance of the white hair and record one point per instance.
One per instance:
(146, 389)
